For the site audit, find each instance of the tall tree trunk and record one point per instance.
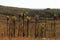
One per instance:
(7, 25)
(23, 25)
(19, 27)
(14, 28)
(27, 27)
(36, 30)
(54, 26)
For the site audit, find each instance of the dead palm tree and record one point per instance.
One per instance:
(55, 18)
(23, 17)
(36, 25)
(19, 26)
(28, 18)
(13, 22)
(7, 24)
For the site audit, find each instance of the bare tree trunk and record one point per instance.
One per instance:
(7, 25)
(23, 25)
(27, 27)
(14, 28)
(19, 27)
(36, 29)
(55, 27)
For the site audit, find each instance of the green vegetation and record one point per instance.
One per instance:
(31, 12)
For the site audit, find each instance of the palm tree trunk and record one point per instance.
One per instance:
(36, 30)
(23, 25)
(54, 26)
(14, 28)
(19, 27)
(27, 27)
(7, 25)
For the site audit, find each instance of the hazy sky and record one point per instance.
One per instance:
(38, 4)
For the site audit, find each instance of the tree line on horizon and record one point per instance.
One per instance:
(49, 13)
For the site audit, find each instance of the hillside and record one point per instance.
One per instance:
(31, 12)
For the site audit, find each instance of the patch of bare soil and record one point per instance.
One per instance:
(27, 38)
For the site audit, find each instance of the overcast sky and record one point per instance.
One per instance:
(35, 4)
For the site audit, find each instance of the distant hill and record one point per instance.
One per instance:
(31, 12)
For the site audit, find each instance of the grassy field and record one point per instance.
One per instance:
(48, 24)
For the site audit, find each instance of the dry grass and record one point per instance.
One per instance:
(28, 38)
(3, 27)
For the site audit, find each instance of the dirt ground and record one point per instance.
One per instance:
(27, 38)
